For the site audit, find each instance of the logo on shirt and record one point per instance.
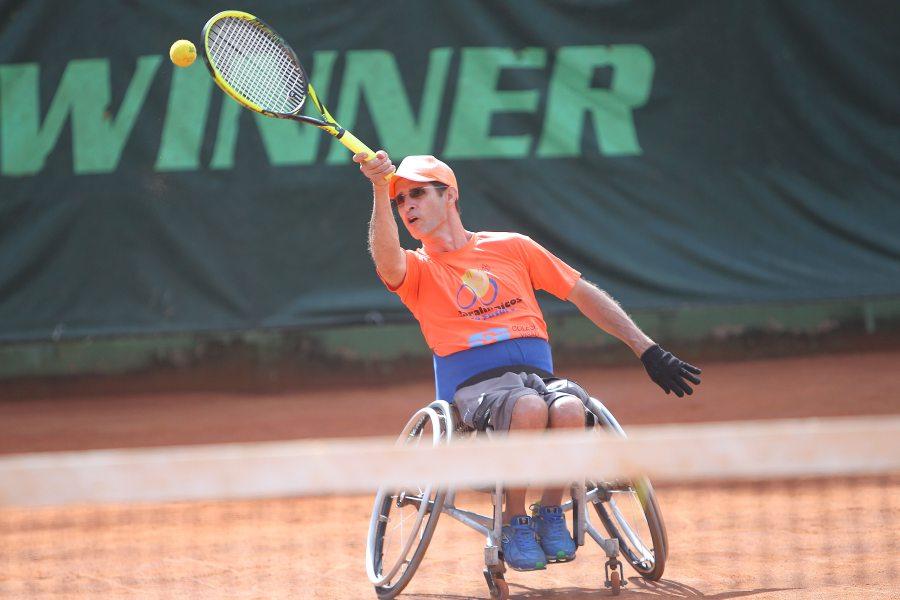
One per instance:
(477, 296)
(489, 336)
(478, 287)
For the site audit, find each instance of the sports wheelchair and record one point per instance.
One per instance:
(403, 521)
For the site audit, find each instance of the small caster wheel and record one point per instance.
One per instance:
(497, 585)
(502, 590)
(613, 571)
(615, 581)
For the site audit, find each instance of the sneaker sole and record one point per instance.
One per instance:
(525, 570)
(560, 556)
(561, 560)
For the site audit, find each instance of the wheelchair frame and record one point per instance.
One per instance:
(431, 503)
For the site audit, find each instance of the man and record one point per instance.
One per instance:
(473, 295)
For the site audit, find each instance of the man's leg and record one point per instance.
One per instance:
(519, 542)
(530, 412)
(566, 412)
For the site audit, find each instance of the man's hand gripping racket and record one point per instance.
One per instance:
(256, 67)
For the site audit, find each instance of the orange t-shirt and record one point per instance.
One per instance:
(483, 292)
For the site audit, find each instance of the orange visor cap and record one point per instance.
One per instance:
(423, 168)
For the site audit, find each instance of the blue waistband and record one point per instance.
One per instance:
(451, 370)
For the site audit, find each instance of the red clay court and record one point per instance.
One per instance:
(730, 541)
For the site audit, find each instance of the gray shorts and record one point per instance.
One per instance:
(489, 404)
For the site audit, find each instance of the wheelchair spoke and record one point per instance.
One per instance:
(403, 516)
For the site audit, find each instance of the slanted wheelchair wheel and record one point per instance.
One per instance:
(403, 520)
(630, 513)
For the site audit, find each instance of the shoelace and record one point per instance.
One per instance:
(556, 525)
(524, 533)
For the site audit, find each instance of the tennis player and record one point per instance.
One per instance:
(473, 295)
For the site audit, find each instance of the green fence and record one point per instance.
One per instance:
(680, 154)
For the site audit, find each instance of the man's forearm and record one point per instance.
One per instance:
(384, 238)
(605, 313)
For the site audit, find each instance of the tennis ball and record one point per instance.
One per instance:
(183, 53)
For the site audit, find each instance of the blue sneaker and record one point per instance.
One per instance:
(520, 547)
(550, 525)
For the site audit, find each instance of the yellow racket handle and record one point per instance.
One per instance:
(356, 146)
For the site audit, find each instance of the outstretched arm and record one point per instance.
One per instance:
(384, 238)
(605, 313)
(670, 373)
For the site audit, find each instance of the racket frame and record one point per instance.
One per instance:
(327, 123)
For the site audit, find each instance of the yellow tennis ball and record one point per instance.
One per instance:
(183, 53)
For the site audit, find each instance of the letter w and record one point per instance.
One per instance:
(98, 137)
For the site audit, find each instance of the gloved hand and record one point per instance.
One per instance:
(669, 372)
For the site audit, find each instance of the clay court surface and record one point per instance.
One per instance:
(818, 539)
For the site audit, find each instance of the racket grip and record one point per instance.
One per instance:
(356, 146)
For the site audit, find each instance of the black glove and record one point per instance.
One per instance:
(669, 372)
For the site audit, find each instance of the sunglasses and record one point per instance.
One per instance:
(416, 193)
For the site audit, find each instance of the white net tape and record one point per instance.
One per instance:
(834, 447)
(256, 65)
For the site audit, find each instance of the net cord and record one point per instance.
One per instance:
(772, 449)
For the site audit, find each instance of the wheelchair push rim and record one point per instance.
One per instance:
(403, 521)
(632, 516)
(630, 512)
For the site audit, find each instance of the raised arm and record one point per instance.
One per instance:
(668, 371)
(384, 238)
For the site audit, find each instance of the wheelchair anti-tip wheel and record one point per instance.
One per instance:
(629, 511)
(403, 520)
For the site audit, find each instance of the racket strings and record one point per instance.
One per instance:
(256, 65)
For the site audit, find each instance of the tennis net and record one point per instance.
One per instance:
(781, 509)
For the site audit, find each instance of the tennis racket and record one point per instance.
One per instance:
(256, 67)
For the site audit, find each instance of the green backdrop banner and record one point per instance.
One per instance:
(674, 152)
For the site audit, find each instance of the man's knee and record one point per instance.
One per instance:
(530, 412)
(568, 412)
